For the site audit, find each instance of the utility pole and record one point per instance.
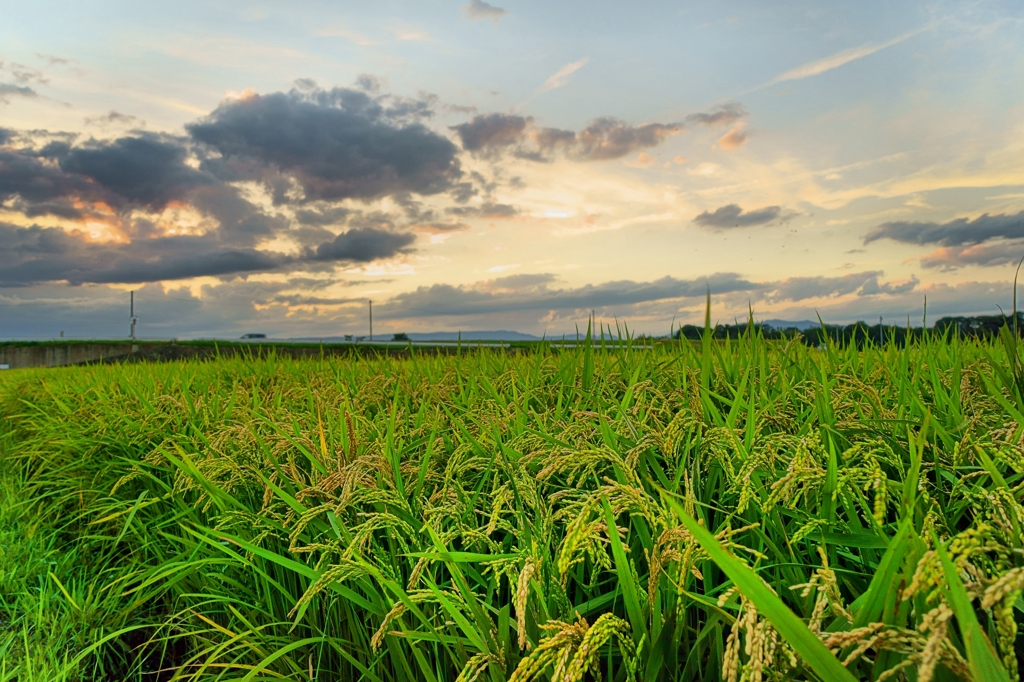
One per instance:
(371, 320)
(134, 319)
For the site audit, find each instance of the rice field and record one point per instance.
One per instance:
(738, 510)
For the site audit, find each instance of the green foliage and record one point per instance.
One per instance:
(743, 509)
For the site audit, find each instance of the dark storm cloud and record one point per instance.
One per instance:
(61, 208)
(734, 216)
(484, 210)
(23, 174)
(492, 130)
(463, 192)
(603, 139)
(478, 9)
(45, 254)
(36, 254)
(311, 147)
(959, 232)
(144, 171)
(326, 216)
(492, 210)
(363, 245)
(336, 144)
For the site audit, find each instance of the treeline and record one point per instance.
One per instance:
(982, 326)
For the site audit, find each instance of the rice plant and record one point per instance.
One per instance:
(737, 510)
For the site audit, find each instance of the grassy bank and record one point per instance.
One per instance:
(547, 515)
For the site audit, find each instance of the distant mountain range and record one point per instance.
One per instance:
(802, 325)
(499, 335)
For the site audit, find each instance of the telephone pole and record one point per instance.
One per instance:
(134, 319)
(371, 320)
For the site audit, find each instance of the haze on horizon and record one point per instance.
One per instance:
(246, 166)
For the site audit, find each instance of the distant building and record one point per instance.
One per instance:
(254, 336)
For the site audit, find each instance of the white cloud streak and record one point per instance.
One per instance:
(559, 78)
(820, 66)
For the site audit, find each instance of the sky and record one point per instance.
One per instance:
(253, 167)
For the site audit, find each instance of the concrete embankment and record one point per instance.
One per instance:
(19, 356)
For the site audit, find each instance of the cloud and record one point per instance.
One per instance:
(46, 254)
(953, 257)
(820, 66)
(521, 282)
(53, 60)
(9, 91)
(335, 144)
(534, 295)
(725, 114)
(26, 74)
(958, 232)
(34, 255)
(25, 176)
(490, 131)
(484, 210)
(226, 309)
(108, 182)
(293, 300)
(478, 9)
(326, 216)
(559, 78)
(114, 118)
(734, 138)
(733, 216)
(609, 138)
(603, 139)
(144, 171)
(362, 245)
(438, 228)
(860, 283)
(120, 200)
(643, 160)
